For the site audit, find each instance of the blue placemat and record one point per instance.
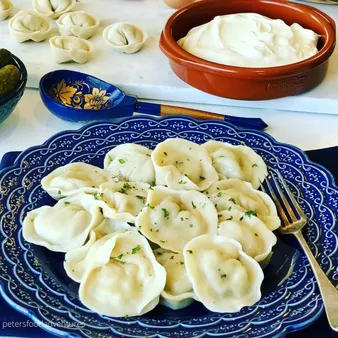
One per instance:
(14, 324)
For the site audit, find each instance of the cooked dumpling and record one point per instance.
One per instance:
(122, 276)
(125, 37)
(6, 8)
(235, 194)
(79, 24)
(183, 165)
(236, 162)
(74, 178)
(53, 8)
(178, 292)
(172, 218)
(256, 239)
(130, 162)
(122, 200)
(224, 278)
(70, 48)
(29, 25)
(63, 227)
(76, 259)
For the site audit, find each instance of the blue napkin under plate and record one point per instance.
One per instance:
(14, 324)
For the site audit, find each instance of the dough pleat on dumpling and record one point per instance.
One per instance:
(53, 8)
(178, 292)
(238, 161)
(74, 178)
(183, 165)
(130, 162)
(234, 194)
(171, 218)
(224, 278)
(6, 8)
(256, 239)
(122, 276)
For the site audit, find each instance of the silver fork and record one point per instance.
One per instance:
(293, 224)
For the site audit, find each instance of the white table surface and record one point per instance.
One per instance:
(31, 124)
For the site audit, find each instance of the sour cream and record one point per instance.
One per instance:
(250, 40)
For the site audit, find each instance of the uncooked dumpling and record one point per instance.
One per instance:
(53, 8)
(125, 37)
(6, 8)
(79, 24)
(29, 25)
(70, 48)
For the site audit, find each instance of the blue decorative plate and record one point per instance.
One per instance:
(33, 281)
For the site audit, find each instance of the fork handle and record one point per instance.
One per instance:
(328, 291)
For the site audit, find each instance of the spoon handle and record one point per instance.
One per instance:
(328, 291)
(165, 110)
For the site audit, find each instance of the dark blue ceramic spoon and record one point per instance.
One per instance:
(79, 97)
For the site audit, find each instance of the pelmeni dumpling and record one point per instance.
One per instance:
(224, 278)
(122, 200)
(239, 195)
(76, 260)
(130, 162)
(125, 37)
(74, 178)
(6, 8)
(183, 165)
(172, 218)
(122, 276)
(178, 292)
(29, 25)
(79, 24)
(256, 239)
(63, 227)
(70, 48)
(53, 8)
(236, 162)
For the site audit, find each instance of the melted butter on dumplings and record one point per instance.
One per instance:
(122, 277)
(224, 278)
(239, 162)
(172, 218)
(183, 165)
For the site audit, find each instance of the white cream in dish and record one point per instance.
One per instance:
(250, 40)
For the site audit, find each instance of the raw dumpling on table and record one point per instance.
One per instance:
(234, 194)
(29, 25)
(122, 200)
(183, 165)
(65, 226)
(239, 162)
(172, 218)
(130, 162)
(70, 48)
(79, 24)
(125, 37)
(224, 278)
(256, 239)
(178, 292)
(122, 277)
(53, 8)
(6, 8)
(74, 178)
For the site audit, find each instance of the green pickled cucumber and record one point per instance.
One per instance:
(5, 57)
(9, 79)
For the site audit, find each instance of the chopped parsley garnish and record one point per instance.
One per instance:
(161, 241)
(148, 155)
(229, 209)
(219, 194)
(165, 153)
(67, 202)
(254, 165)
(136, 249)
(172, 257)
(190, 148)
(152, 185)
(165, 213)
(182, 182)
(119, 256)
(150, 206)
(122, 262)
(122, 161)
(36, 262)
(229, 219)
(110, 158)
(256, 234)
(202, 178)
(204, 204)
(190, 251)
(181, 219)
(98, 195)
(250, 213)
(141, 198)
(191, 225)
(59, 192)
(181, 262)
(125, 187)
(232, 200)
(223, 275)
(193, 205)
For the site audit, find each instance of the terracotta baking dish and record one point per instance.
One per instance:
(248, 83)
